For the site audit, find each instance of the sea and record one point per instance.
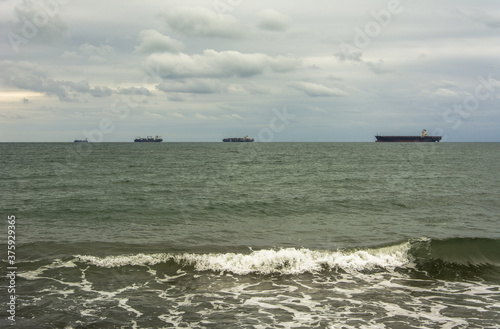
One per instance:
(250, 235)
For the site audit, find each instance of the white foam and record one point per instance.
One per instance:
(122, 302)
(296, 261)
(267, 261)
(433, 316)
(32, 275)
(123, 260)
(168, 278)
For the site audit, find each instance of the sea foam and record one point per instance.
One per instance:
(268, 261)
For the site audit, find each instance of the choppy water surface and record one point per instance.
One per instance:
(254, 235)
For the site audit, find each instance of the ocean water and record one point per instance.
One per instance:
(252, 235)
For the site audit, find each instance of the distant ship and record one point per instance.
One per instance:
(81, 140)
(423, 138)
(238, 139)
(148, 139)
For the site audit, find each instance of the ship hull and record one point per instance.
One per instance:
(408, 139)
(238, 140)
(154, 141)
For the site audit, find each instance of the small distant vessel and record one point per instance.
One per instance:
(149, 139)
(238, 139)
(81, 140)
(423, 138)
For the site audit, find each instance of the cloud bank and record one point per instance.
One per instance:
(192, 71)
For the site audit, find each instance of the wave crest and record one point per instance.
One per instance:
(268, 261)
(457, 258)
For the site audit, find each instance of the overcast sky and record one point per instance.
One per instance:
(317, 70)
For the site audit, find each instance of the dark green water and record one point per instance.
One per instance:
(254, 234)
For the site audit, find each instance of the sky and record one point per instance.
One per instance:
(276, 70)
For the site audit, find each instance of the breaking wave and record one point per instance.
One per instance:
(428, 282)
(456, 257)
(268, 261)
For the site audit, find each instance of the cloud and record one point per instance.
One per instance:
(204, 117)
(488, 20)
(153, 41)
(351, 54)
(134, 91)
(23, 75)
(153, 115)
(343, 56)
(232, 116)
(440, 92)
(71, 55)
(28, 76)
(377, 67)
(247, 60)
(445, 92)
(100, 91)
(445, 83)
(315, 89)
(175, 98)
(46, 25)
(255, 88)
(202, 22)
(196, 86)
(177, 115)
(89, 52)
(273, 20)
(219, 64)
(316, 109)
(492, 22)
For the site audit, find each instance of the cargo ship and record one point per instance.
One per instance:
(423, 138)
(149, 139)
(81, 140)
(238, 139)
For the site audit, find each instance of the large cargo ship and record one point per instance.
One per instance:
(423, 138)
(81, 140)
(238, 139)
(148, 139)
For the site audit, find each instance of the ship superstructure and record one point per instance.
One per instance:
(148, 139)
(238, 139)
